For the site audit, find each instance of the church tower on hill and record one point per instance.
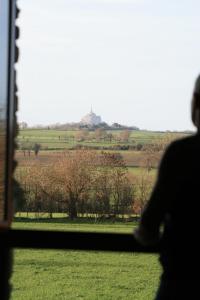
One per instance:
(91, 119)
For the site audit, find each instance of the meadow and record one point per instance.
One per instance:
(52, 134)
(66, 139)
(55, 274)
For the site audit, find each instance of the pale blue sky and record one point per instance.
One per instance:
(134, 61)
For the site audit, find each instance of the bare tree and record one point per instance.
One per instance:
(114, 191)
(154, 151)
(100, 134)
(36, 148)
(125, 135)
(80, 181)
(144, 189)
(82, 135)
(109, 137)
(74, 174)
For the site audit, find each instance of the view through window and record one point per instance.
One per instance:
(104, 87)
(102, 92)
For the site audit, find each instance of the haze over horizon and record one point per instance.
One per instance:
(110, 124)
(134, 61)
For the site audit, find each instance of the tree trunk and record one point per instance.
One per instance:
(72, 209)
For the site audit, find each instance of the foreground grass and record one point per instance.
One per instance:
(59, 222)
(41, 274)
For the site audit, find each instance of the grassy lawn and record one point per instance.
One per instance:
(41, 274)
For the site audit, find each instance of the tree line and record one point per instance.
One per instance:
(80, 183)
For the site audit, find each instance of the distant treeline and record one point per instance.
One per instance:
(78, 125)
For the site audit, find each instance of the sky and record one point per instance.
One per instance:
(133, 61)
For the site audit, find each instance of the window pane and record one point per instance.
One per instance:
(105, 83)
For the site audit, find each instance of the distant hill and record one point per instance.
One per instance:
(80, 125)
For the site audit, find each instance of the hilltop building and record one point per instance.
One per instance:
(91, 119)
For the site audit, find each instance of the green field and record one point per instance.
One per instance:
(50, 275)
(41, 274)
(65, 139)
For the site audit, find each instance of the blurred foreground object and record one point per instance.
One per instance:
(8, 130)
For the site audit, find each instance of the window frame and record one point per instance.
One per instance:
(10, 112)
